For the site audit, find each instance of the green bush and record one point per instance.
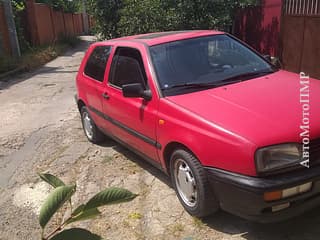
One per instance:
(116, 18)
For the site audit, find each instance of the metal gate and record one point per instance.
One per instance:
(300, 36)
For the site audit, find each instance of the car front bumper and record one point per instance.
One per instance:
(243, 195)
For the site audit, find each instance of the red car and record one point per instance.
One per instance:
(232, 130)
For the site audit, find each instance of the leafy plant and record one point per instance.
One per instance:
(61, 194)
(114, 18)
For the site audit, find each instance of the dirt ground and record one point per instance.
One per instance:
(40, 131)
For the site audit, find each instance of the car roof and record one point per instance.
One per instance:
(156, 38)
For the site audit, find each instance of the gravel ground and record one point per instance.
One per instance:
(40, 131)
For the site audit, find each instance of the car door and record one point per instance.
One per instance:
(134, 119)
(95, 82)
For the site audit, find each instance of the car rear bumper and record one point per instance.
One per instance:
(243, 195)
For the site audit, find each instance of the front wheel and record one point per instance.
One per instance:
(92, 132)
(191, 184)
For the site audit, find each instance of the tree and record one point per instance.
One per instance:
(107, 15)
(126, 17)
(147, 16)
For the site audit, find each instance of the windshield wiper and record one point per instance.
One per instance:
(247, 76)
(226, 81)
(200, 85)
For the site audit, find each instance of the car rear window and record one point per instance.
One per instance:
(96, 64)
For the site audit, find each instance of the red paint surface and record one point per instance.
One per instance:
(223, 126)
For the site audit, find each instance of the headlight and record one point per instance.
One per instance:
(277, 157)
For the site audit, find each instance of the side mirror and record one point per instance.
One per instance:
(268, 58)
(136, 90)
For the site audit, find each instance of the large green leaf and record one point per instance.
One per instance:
(53, 202)
(109, 196)
(51, 179)
(78, 210)
(84, 215)
(76, 234)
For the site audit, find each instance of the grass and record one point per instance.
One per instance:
(37, 56)
(176, 229)
(198, 223)
(135, 215)
(107, 159)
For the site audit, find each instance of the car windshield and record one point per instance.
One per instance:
(205, 62)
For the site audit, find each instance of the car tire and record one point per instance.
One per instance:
(91, 130)
(191, 184)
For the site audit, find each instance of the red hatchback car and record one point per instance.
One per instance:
(232, 130)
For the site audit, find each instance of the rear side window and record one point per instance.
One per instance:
(97, 62)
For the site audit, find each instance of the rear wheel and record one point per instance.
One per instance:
(191, 184)
(91, 130)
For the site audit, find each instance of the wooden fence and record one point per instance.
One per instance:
(259, 26)
(48, 25)
(4, 34)
(300, 36)
(42, 25)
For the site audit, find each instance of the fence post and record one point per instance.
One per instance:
(13, 37)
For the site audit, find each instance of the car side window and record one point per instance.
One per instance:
(127, 67)
(97, 62)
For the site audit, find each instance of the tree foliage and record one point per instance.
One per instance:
(107, 15)
(116, 18)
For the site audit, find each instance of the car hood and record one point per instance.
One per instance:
(265, 110)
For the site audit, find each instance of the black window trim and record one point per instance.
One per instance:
(91, 78)
(112, 72)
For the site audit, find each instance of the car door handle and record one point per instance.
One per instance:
(105, 96)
